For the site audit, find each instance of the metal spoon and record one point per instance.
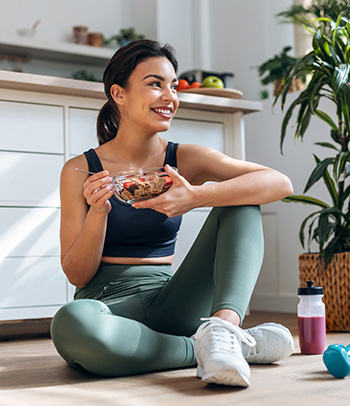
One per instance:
(82, 170)
(93, 173)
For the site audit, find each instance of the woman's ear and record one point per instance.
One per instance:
(117, 94)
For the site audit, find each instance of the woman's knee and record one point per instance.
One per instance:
(75, 315)
(74, 326)
(239, 216)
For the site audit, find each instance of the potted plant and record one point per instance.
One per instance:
(328, 70)
(125, 36)
(312, 14)
(274, 69)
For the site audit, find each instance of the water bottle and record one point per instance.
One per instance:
(311, 319)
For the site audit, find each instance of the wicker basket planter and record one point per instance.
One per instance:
(335, 280)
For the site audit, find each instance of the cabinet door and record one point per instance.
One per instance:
(82, 130)
(29, 179)
(188, 131)
(31, 127)
(31, 283)
(29, 232)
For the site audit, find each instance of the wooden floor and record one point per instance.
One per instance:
(32, 374)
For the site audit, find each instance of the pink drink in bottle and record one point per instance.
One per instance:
(311, 319)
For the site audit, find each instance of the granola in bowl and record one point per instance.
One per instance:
(141, 184)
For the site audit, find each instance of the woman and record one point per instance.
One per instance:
(134, 314)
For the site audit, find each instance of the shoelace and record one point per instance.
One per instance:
(219, 336)
(251, 351)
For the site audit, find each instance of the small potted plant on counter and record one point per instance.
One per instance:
(125, 36)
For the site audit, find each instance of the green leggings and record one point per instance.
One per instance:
(131, 319)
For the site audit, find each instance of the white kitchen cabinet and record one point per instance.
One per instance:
(43, 122)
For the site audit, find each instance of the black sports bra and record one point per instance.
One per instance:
(138, 233)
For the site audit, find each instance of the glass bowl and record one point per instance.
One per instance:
(141, 184)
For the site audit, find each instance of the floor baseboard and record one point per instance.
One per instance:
(24, 328)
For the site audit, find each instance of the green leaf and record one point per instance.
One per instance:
(335, 136)
(344, 197)
(321, 46)
(326, 145)
(302, 227)
(287, 118)
(330, 250)
(341, 164)
(318, 172)
(340, 77)
(339, 45)
(305, 200)
(329, 183)
(344, 96)
(325, 117)
(303, 124)
(331, 187)
(315, 91)
(323, 229)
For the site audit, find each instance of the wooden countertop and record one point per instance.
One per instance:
(71, 87)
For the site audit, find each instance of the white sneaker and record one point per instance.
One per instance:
(219, 355)
(273, 343)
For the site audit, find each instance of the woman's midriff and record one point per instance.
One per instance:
(138, 261)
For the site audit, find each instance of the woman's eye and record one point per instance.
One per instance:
(157, 84)
(175, 86)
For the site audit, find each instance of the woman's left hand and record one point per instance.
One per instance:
(175, 201)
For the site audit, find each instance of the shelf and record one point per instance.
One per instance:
(55, 51)
(80, 88)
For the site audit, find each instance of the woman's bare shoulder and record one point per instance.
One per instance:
(78, 161)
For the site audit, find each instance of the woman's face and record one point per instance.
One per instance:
(151, 99)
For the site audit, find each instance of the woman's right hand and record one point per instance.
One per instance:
(98, 189)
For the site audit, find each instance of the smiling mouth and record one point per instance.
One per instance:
(165, 112)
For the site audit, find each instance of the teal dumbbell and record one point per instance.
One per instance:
(337, 360)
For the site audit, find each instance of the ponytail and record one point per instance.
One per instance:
(107, 122)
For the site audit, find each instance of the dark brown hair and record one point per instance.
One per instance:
(118, 71)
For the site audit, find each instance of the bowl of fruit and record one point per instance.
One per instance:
(141, 184)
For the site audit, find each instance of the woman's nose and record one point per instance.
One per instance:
(169, 94)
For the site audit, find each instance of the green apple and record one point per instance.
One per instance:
(213, 81)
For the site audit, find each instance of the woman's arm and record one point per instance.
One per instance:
(236, 183)
(83, 229)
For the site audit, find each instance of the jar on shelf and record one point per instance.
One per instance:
(80, 34)
(95, 39)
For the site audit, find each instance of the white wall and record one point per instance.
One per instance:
(243, 35)
(57, 17)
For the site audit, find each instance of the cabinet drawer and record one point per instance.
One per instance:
(82, 129)
(29, 178)
(31, 281)
(206, 133)
(31, 127)
(29, 232)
